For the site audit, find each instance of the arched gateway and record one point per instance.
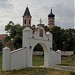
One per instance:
(22, 58)
(44, 55)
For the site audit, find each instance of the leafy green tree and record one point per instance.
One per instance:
(57, 37)
(46, 28)
(33, 28)
(64, 39)
(15, 33)
(68, 38)
(1, 46)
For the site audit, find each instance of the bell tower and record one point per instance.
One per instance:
(51, 19)
(27, 18)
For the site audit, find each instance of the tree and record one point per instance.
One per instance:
(68, 38)
(46, 28)
(63, 39)
(57, 37)
(15, 33)
(1, 46)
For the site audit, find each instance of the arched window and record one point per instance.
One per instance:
(25, 21)
(29, 21)
(52, 21)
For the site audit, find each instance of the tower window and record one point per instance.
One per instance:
(52, 21)
(29, 21)
(41, 32)
(25, 21)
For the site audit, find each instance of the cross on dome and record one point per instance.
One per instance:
(40, 21)
(27, 5)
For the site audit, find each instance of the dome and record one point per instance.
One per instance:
(51, 14)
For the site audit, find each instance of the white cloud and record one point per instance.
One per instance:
(14, 9)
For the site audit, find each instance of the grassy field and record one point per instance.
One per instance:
(38, 61)
(68, 61)
(37, 71)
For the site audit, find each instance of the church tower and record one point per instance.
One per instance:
(51, 19)
(27, 18)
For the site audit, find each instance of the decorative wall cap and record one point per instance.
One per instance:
(48, 32)
(58, 51)
(6, 48)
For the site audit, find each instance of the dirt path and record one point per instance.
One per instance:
(65, 68)
(58, 67)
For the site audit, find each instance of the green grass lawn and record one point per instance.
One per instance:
(68, 61)
(39, 61)
(37, 71)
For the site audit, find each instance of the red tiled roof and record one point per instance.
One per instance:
(3, 36)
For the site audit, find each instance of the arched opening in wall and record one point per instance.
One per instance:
(38, 55)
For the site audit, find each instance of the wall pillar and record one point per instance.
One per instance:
(6, 59)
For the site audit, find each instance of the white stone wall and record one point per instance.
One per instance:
(55, 57)
(18, 59)
(22, 58)
(67, 53)
(14, 59)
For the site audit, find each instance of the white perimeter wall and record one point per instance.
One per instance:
(55, 57)
(67, 53)
(14, 59)
(18, 59)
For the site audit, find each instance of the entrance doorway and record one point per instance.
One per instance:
(38, 55)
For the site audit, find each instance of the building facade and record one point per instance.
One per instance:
(27, 18)
(51, 19)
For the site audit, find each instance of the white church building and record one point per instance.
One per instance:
(22, 58)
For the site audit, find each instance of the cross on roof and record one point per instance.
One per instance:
(27, 5)
(40, 21)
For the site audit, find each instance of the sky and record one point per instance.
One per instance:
(13, 10)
